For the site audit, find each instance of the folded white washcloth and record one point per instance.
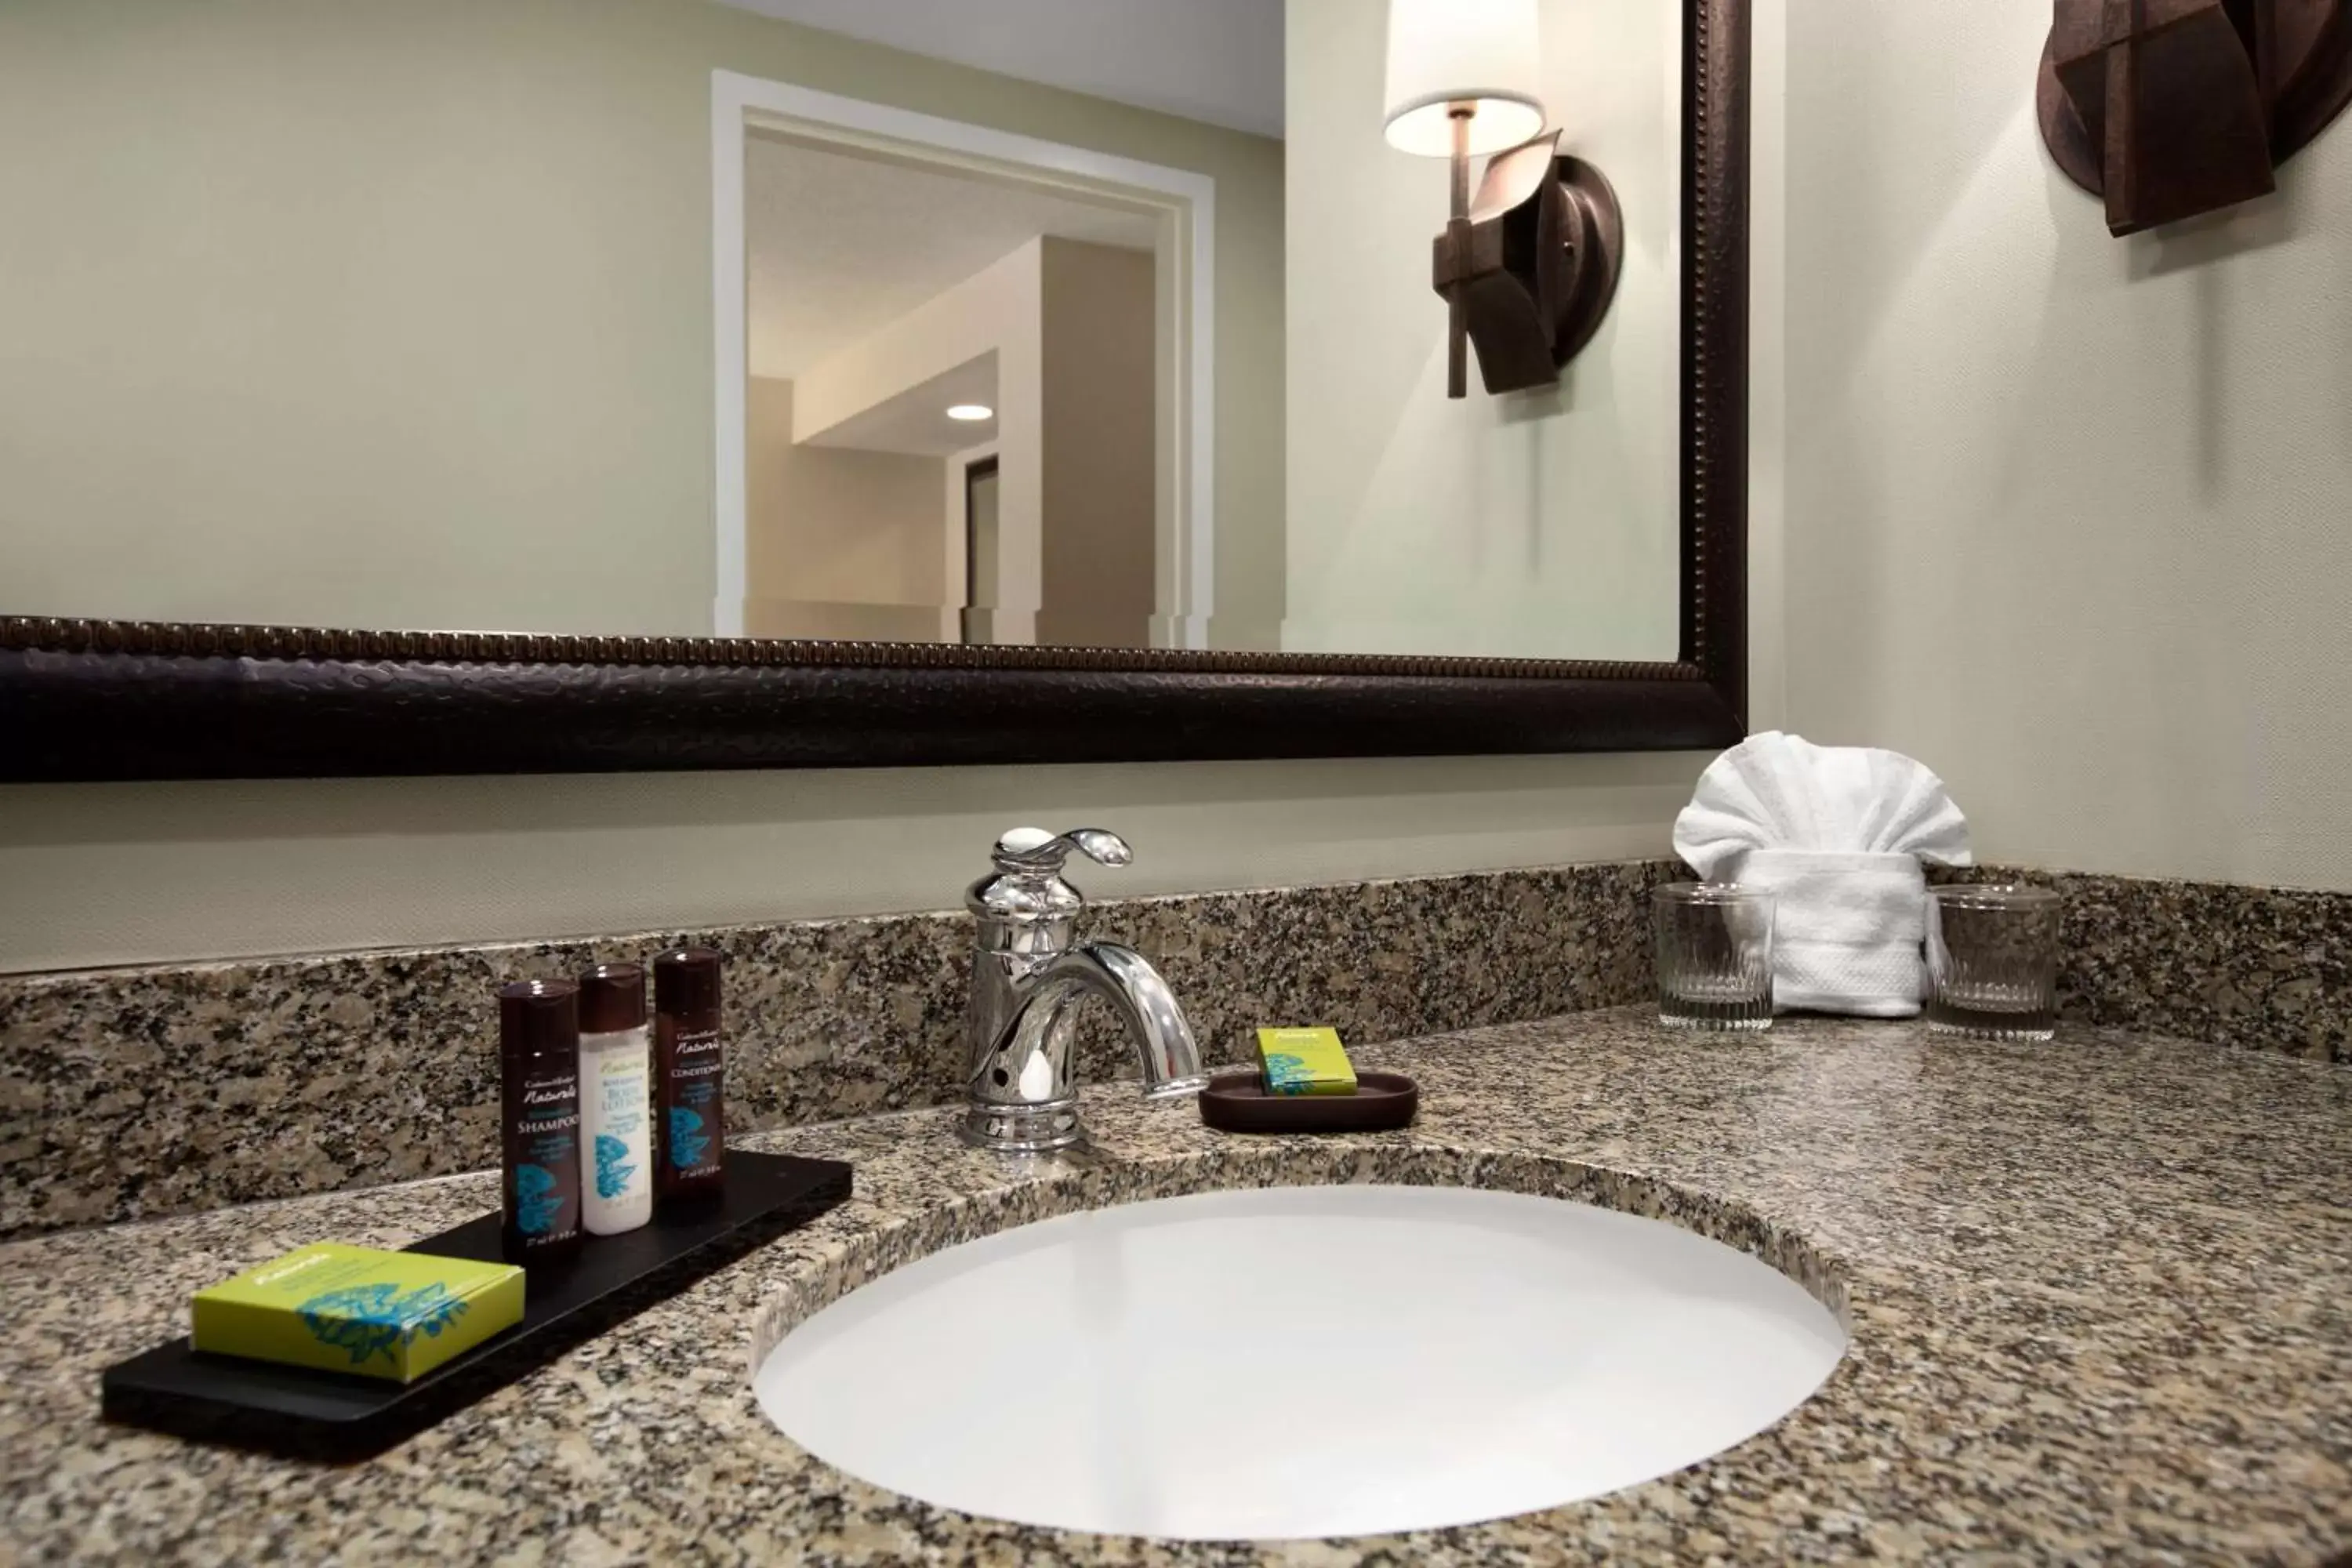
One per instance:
(1839, 833)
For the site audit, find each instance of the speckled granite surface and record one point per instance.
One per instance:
(2097, 1293)
(136, 1093)
(2265, 968)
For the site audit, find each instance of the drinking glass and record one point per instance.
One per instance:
(1992, 962)
(1714, 955)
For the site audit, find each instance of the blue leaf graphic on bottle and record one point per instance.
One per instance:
(364, 1320)
(612, 1174)
(687, 1140)
(537, 1203)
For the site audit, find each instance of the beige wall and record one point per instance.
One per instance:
(1100, 390)
(118, 874)
(113, 874)
(1536, 524)
(301, 304)
(2069, 514)
(831, 535)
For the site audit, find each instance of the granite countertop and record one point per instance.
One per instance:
(2100, 1295)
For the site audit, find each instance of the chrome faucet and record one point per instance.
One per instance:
(1028, 975)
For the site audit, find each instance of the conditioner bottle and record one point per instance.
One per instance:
(689, 1074)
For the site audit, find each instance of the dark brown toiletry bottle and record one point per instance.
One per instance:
(538, 1127)
(689, 1076)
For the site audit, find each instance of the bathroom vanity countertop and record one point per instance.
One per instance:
(2100, 1294)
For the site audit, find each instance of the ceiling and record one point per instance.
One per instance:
(1218, 60)
(916, 421)
(840, 246)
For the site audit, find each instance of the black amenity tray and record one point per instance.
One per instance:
(321, 1415)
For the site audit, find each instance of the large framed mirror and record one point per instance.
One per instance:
(819, 382)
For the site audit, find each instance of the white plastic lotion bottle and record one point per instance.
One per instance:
(616, 1111)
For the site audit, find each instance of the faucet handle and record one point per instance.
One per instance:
(1034, 849)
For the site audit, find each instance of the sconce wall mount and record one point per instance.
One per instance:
(1529, 271)
(2172, 108)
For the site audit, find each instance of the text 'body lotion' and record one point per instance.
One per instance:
(616, 1100)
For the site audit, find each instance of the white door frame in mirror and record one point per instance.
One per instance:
(1183, 200)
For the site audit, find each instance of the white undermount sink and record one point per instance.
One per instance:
(1299, 1362)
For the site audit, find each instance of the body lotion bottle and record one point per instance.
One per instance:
(616, 1082)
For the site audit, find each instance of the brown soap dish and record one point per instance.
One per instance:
(1238, 1102)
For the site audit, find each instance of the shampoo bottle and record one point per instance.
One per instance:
(690, 1075)
(539, 1130)
(617, 1074)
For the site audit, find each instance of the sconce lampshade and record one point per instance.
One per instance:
(1484, 53)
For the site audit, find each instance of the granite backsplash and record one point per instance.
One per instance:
(133, 1093)
(2261, 968)
(139, 1092)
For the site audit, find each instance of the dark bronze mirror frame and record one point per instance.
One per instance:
(90, 700)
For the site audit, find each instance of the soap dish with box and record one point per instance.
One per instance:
(1238, 1101)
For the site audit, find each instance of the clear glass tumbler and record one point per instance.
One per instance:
(1714, 955)
(1992, 962)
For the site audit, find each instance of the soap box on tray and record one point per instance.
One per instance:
(354, 1309)
(1304, 1062)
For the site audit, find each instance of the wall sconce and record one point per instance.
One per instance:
(2173, 108)
(1526, 272)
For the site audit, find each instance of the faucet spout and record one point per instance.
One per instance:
(1156, 1026)
(1023, 1093)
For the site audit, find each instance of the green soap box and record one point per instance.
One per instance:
(354, 1309)
(1304, 1062)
